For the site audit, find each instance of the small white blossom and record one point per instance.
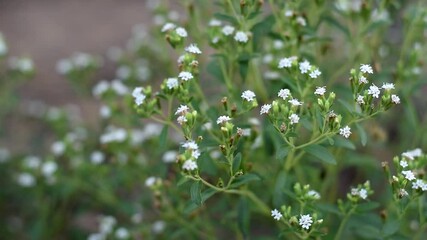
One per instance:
(181, 119)
(149, 182)
(214, 23)
(181, 32)
(366, 68)
(223, 119)
(360, 99)
(185, 76)
(289, 13)
(58, 148)
(168, 26)
(158, 227)
(363, 80)
(63, 66)
(320, 91)
(412, 154)
(189, 165)
(301, 21)
(277, 44)
(304, 67)
(345, 132)
(122, 233)
(241, 37)
(265, 109)
(107, 224)
(97, 157)
(183, 109)
(190, 145)
(49, 168)
(195, 154)
(284, 93)
(32, 162)
(293, 118)
(172, 83)
(276, 214)
(305, 221)
(138, 95)
(26, 180)
(403, 192)
(409, 175)
(363, 193)
(105, 111)
(100, 88)
(285, 62)
(388, 86)
(314, 194)
(315, 73)
(118, 87)
(395, 99)
(295, 102)
(419, 184)
(169, 156)
(227, 30)
(403, 163)
(374, 91)
(248, 95)
(193, 49)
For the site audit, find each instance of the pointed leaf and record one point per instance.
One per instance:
(321, 153)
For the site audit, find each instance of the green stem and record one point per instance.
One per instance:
(344, 223)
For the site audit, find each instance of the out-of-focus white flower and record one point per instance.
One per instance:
(294, 102)
(315, 73)
(26, 180)
(113, 134)
(412, 154)
(185, 76)
(223, 119)
(21, 64)
(49, 168)
(122, 233)
(100, 88)
(64, 66)
(119, 87)
(320, 91)
(32, 162)
(388, 86)
(241, 37)
(181, 32)
(265, 109)
(107, 224)
(363, 80)
(3, 46)
(4, 155)
(409, 175)
(158, 227)
(395, 99)
(58, 148)
(172, 83)
(304, 67)
(189, 165)
(193, 49)
(284, 93)
(97, 157)
(293, 119)
(214, 23)
(301, 21)
(169, 156)
(168, 26)
(123, 72)
(105, 111)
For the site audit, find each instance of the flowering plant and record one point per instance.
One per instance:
(266, 126)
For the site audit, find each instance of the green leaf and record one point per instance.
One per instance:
(207, 194)
(366, 207)
(278, 196)
(362, 134)
(281, 153)
(334, 23)
(248, 177)
(195, 192)
(182, 181)
(390, 227)
(347, 106)
(236, 163)
(225, 17)
(321, 153)
(261, 29)
(243, 216)
(163, 137)
(214, 69)
(344, 143)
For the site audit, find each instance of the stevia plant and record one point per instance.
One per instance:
(239, 120)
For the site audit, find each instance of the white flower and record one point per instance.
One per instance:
(122, 233)
(345, 132)
(388, 86)
(149, 182)
(138, 95)
(409, 175)
(168, 26)
(21, 64)
(289, 13)
(248, 95)
(270, 75)
(241, 37)
(97, 157)
(190, 145)
(277, 44)
(363, 193)
(286, 62)
(403, 192)
(284, 93)
(100, 88)
(403, 163)
(183, 109)
(48, 168)
(320, 91)
(189, 165)
(105, 111)
(265, 109)
(366, 68)
(193, 49)
(119, 87)
(195, 154)
(419, 184)
(172, 83)
(305, 221)
(276, 214)
(181, 119)
(295, 102)
(227, 30)
(26, 180)
(169, 156)
(293, 118)
(58, 148)
(214, 23)
(315, 73)
(181, 32)
(374, 91)
(301, 21)
(185, 76)
(395, 99)
(32, 162)
(411, 155)
(304, 67)
(223, 119)
(63, 66)
(314, 194)
(360, 100)
(363, 79)
(106, 225)
(158, 227)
